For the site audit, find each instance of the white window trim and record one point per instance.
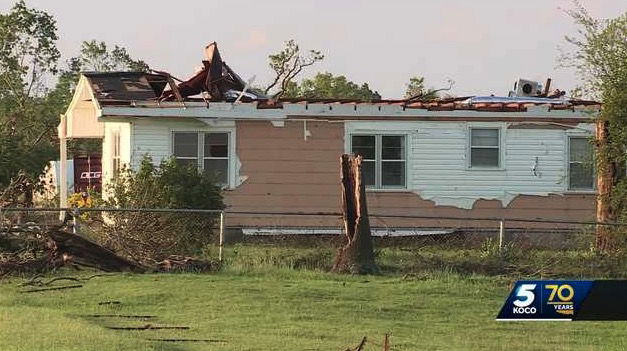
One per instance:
(232, 166)
(116, 153)
(379, 161)
(570, 190)
(502, 145)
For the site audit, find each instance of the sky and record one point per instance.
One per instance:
(482, 45)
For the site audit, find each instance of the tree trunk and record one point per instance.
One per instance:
(605, 181)
(70, 247)
(357, 255)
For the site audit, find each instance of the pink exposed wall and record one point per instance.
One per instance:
(286, 173)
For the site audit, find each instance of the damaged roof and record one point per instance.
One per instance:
(125, 86)
(140, 89)
(217, 82)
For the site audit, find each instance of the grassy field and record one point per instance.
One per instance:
(282, 301)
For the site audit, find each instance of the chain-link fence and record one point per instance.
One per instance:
(140, 234)
(416, 230)
(157, 233)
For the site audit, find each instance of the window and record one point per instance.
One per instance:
(186, 149)
(484, 148)
(383, 159)
(580, 165)
(116, 164)
(216, 156)
(212, 156)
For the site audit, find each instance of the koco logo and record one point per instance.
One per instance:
(525, 297)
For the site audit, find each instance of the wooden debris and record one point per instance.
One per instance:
(149, 327)
(186, 264)
(109, 303)
(130, 316)
(69, 247)
(189, 340)
(360, 346)
(53, 288)
(386, 343)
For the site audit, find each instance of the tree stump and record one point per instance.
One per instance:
(357, 255)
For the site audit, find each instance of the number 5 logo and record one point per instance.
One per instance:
(525, 291)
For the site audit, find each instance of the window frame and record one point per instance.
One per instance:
(378, 161)
(200, 159)
(116, 153)
(500, 147)
(570, 189)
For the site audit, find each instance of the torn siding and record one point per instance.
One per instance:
(533, 161)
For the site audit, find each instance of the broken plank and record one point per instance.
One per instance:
(119, 316)
(148, 327)
(189, 340)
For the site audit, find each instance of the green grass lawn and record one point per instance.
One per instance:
(286, 309)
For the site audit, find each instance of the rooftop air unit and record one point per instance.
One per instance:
(523, 87)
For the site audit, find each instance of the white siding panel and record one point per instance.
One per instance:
(438, 161)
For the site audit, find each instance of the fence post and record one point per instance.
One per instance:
(75, 213)
(221, 236)
(501, 233)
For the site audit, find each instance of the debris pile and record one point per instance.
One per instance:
(216, 79)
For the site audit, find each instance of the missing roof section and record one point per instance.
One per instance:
(126, 86)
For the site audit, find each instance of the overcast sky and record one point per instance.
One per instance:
(483, 45)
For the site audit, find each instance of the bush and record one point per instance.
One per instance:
(149, 236)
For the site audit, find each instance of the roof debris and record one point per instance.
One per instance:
(217, 82)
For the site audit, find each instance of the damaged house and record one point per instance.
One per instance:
(520, 156)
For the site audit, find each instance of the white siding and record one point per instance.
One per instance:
(153, 137)
(438, 157)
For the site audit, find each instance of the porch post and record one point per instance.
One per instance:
(62, 130)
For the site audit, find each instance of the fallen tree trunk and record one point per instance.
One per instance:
(67, 247)
(42, 251)
(357, 255)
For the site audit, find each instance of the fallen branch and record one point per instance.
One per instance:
(360, 346)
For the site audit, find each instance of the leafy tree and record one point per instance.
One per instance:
(325, 85)
(599, 55)
(289, 63)
(28, 56)
(96, 56)
(416, 89)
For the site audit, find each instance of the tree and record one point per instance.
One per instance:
(325, 85)
(96, 56)
(28, 55)
(287, 64)
(416, 89)
(600, 49)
